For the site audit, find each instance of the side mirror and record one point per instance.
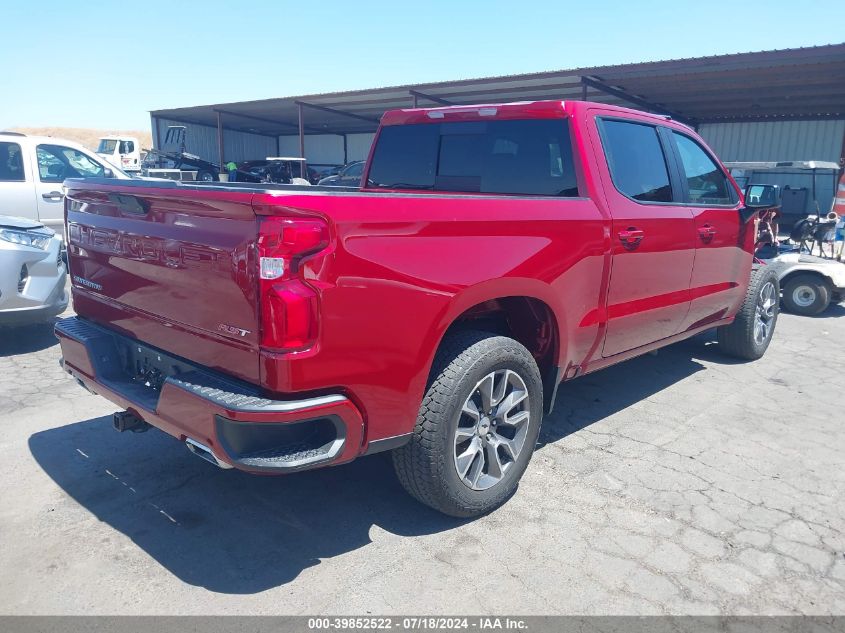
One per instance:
(762, 196)
(108, 173)
(758, 197)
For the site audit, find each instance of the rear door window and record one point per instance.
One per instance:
(636, 160)
(526, 157)
(706, 183)
(11, 163)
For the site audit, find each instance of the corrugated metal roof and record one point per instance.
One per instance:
(765, 85)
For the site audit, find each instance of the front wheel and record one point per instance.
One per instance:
(477, 426)
(205, 176)
(748, 337)
(807, 295)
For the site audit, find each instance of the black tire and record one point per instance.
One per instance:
(204, 175)
(741, 338)
(807, 295)
(427, 466)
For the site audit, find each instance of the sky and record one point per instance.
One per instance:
(106, 64)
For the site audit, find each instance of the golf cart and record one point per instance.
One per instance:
(805, 186)
(809, 282)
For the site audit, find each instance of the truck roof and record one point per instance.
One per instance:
(515, 110)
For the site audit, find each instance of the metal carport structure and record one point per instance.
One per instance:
(793, 85)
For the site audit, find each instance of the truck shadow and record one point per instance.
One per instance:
(594, 397)
(227, 531)
(26, 339)
(239, 534)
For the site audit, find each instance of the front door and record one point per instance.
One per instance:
(652, 236)
(52, 164)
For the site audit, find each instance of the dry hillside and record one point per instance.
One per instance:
(84, 136)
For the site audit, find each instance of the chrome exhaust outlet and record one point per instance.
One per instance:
(201, 450)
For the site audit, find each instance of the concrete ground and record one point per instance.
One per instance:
(680, 483)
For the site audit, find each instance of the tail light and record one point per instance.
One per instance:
(288, 305)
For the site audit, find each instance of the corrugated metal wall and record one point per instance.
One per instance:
(766, 141)
(358, 146)
(320, 149)
(327, 149)
(202, 141)
(775, 140)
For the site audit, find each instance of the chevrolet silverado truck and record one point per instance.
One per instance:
(491, 253)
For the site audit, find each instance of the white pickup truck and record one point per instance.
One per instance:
(32, 170)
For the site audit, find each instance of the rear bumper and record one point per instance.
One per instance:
(239, 426)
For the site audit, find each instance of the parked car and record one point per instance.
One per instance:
(32, 273)
(323, 171)
(433, 313)
(32, 169)
(348, 176)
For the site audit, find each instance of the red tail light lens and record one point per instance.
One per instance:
(288, 304)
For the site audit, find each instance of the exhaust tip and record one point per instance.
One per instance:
(204, 452)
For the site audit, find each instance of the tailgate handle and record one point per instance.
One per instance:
(129, 204)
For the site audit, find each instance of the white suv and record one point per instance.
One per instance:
(32, 274)
(32, 169)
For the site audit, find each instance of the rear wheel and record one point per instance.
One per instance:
(477, 426)
(748, 337)
(205, 176)
(806, 294)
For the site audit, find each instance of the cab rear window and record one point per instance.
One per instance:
(525, 157)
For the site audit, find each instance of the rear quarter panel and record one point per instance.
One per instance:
(404, 267)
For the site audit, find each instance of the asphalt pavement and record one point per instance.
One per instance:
(681, 483)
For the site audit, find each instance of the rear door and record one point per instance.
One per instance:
(652, 235)
(723, 251)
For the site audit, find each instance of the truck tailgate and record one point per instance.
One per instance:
(173, 268)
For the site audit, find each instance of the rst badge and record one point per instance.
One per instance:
(231, 329)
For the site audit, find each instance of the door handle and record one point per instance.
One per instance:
(53, 195)
(706, 232)
(631, 237)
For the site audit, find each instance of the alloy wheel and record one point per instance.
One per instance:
(491, 430)
(766, 310)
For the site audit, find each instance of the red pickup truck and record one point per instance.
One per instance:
(492, 252)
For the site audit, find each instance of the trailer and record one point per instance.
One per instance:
(173, 162)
